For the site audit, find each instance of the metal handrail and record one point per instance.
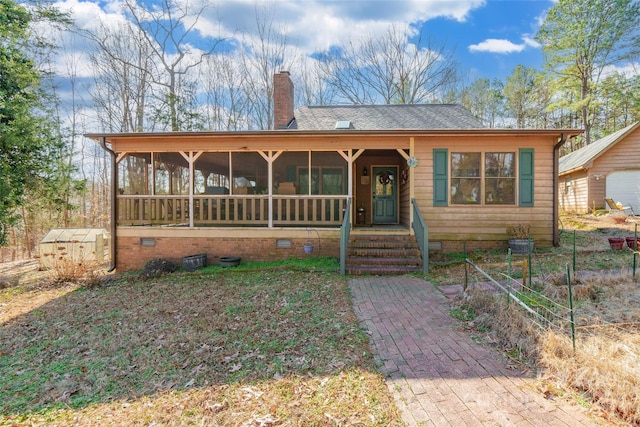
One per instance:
(422, 235)
(345, 231)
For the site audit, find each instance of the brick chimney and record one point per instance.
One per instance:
(282, 100)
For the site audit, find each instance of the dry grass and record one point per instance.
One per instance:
(605, 366)
(603, 371)
(270, 347)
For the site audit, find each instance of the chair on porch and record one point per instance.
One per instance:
(613, 207)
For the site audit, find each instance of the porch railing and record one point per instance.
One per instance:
(422, 235)
(153, 210)
(345, 231)
(214, 210)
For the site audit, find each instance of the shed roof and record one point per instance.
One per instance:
(580, 158)
(378, 117)
(58, 235)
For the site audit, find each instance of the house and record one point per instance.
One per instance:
(396, 176)
(608, 167)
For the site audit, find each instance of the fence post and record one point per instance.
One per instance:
(635, 250)
(574, 250)
(529, 258)
(466, 265)
(573, 326)
(509, 275)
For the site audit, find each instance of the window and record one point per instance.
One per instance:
(499, 179)
(471, 184)
(466, 182)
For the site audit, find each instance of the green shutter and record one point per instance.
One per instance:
(440, 177)
(526, 177)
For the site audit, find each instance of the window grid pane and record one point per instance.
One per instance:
(466, 178)
(500, 179)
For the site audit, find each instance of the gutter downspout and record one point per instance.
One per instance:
(556, 181)
(113, 215)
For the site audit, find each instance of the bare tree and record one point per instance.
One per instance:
(122, 66)
(390, 69)
(261, 57)
(166, 31)
(227, 107)
(311, 87)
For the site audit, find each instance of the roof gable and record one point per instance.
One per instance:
(386, 117)
(583, 156)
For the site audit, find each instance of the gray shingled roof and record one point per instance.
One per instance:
(581, 157)
(386, 117)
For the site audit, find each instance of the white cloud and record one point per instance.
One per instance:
(503, 46)
(530, 41)
(316, 25)
(627, 70)
(497, 46)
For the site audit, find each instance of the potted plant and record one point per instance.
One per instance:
(520, 239)
(616, 242)
(633, 242)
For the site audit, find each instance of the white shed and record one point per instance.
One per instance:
(73, 244)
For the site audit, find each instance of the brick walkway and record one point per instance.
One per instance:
(438, 375)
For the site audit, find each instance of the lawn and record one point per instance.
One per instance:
(262, 345)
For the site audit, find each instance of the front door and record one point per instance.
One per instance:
(385, 194)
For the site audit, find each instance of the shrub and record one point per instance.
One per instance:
(157, 267)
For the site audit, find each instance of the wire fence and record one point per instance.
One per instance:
(557, 311)
(585, 324)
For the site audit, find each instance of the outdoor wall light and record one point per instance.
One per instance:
(365, 172)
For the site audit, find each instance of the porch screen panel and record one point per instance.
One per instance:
(171, 174)
(212, 173)
(250, 173)
(134, 174)
(286, 173)
(329, 169)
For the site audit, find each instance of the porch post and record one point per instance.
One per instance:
(270, 157)
(412, 187)
(270, 180)
(191, 158)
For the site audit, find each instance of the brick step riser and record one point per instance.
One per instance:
(363, 270)
(383, 245)
(400, 262)
(377, 253)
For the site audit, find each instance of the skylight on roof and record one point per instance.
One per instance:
(343, 124)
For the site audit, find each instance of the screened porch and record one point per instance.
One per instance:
(215, 189)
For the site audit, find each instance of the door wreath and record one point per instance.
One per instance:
(384, 178)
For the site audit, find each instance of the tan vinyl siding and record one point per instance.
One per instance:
(487, 223)
(625, 155)
(572, 192)
(590, 184)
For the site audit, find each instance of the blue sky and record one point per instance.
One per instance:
(489, 37)
(495, 37)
